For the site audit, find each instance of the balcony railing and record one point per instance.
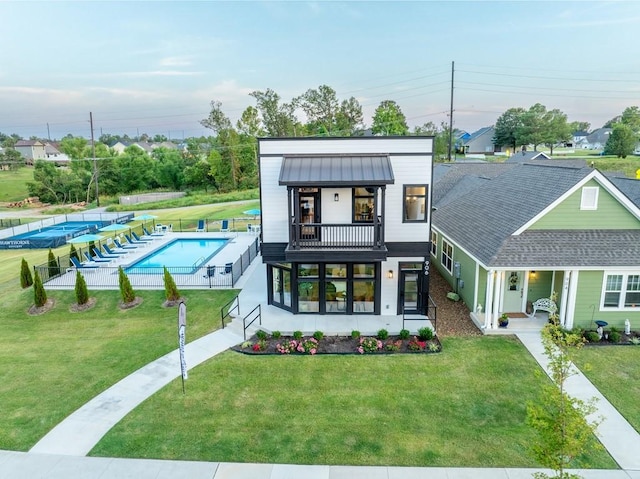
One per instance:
(336, 236)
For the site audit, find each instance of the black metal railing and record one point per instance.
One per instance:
(256, 315)
(431, 315)
(336, 236)
(225, 311)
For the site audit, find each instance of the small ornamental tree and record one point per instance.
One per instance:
(73, 253)
(82, 294)
(26, 279)
(170, 288)
(54, 267)
(128, 296)
(39, 294)
(559, 419)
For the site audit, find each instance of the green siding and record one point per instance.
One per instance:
(467, 273)
(539, 285)
(610, 214)
(588, 305)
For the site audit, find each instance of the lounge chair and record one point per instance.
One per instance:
(228, 268)
(114, 252)
(77, 264)
(141, 240)
(123, 246)
(211, 271)
(99, 254)
(201, 227)
(224, 227)
(132, 241)
(91, 259)
(149, 234)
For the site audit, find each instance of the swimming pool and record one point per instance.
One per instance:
(181, 256)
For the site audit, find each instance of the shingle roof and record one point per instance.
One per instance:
(569, 249)
(628, 186)
(482, 219)
(336, 170)
(522, 156)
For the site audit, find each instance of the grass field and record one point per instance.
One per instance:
(615, 371)
(462, 407)
(14, 184)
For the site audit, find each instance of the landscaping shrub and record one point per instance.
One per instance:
(82, 294)
(288, 346)
(383, 334)
(416, 344)
(276, 335)
(170, 288)
(39, 294)
(592, 336)
(404, 334)
(260, 345)
(54, 268)
(297, 335)
(393, 345)
(309, 346)
(369, 345)
(425, 334)
(26, 279)
(126, 291)
(615, 336)
(355, 334)
(261, 335)
(318, 335)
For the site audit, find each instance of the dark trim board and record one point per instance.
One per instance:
(327, 256)
(273, 252)
(408, 248)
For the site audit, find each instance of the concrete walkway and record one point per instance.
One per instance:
(615, 433)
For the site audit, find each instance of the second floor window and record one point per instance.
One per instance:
(363, 205)
(415, 203)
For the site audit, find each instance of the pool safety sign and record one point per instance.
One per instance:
(182, 331)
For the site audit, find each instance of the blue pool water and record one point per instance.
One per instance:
(182, 256)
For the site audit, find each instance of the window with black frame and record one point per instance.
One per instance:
(363, 205)
(415, 203)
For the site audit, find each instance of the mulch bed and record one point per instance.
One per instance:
(625, 340)
(36, 311)
(79, 308)
(341, 345)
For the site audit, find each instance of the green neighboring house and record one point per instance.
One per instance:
(506, 235)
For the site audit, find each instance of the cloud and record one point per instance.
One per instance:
(176, 61)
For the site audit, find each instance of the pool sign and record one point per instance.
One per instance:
(182, 331)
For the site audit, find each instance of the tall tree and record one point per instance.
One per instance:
(249, 123)
(278, 118)
(580, 126)
(388, 119)
(217, 120)
(507, 128)
(622, 141)
(557, 128)
(74, 147)
(534, 127)
(631, 118)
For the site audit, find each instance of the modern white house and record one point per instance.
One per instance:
(346, 223)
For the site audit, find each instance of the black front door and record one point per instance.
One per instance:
(409, 295)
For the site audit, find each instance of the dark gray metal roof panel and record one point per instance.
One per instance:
(570, 249)
(350, 170)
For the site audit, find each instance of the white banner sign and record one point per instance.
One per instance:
(182, 331)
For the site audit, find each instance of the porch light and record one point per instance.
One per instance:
(336, 197)
(390, 274)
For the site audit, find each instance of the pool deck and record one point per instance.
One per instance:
(105, 275)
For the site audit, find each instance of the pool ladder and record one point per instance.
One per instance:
(198, 262)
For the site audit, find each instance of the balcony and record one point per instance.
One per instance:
(322, 241)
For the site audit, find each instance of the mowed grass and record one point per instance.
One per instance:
(463, 407)
(14, 184)
(54, 363)
(615, 371)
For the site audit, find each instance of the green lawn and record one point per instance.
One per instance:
(615, 371)
(462, 407)
(54, 363)
(14, 184)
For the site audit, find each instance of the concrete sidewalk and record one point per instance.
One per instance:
(20, 465)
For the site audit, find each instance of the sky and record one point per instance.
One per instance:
(155, 66)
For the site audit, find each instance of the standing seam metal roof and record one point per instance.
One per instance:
(336, 170)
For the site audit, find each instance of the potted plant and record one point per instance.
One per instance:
(503, 320)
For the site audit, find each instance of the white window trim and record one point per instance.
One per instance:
(589, 198)
(434, 244)
(625, 278)
(442, 252)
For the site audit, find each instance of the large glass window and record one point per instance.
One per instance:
(446, 258)
(363, 205)
(308, 288)
(415, 203)
(335, 287)
(621, 291)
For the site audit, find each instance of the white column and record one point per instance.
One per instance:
(565, 293)
(488, 301)
(497, 298)
(571, 300)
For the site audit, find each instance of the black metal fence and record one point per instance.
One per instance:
(61, 272)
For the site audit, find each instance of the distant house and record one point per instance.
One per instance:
(577, 137)
(505, 235)
(31, 150)
(522, 156)
(164, 144)
(596, 140)
(52, 150)
(480, 142)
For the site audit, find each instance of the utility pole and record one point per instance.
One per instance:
(48, 132)
(95, 163)
(451, 115)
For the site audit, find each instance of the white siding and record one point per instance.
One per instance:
(336, 211)
(347, 145)
(274, 208)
